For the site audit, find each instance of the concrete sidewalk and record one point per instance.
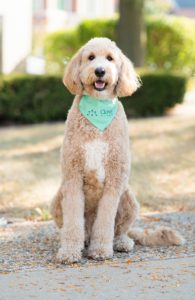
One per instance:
(28, 269)
(161, 279)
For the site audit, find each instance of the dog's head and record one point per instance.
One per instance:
(100, 69)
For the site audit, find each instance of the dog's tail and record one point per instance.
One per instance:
(56, 209)
(161, 236)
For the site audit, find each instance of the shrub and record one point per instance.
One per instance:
(170, 42)
(31, 99)
(97, 28)
(59, 47)
(160, 91)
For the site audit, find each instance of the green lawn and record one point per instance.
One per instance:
(163, 160)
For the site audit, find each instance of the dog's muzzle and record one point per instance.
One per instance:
(100, 84)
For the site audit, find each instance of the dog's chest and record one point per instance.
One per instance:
(95, 153)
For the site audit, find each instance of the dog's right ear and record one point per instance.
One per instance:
(71, 76)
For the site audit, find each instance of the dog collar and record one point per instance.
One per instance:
(98, 112)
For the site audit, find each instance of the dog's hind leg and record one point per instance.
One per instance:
(56, 209)
(127, 213)
(125, 234)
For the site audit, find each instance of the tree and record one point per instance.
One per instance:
(131, 30)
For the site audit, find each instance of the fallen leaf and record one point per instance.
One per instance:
(129, 261)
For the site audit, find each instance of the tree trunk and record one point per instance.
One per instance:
(131, 30)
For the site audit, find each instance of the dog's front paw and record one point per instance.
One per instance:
(98, 251)
(68, 256)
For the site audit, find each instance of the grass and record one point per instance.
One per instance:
(163, 174)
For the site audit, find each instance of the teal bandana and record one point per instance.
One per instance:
(99, 112)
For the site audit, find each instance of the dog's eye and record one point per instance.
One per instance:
(109, 58)
(91, 57)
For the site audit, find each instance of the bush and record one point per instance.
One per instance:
(59, 47)
(160, 91)
(170, 42)
(96, 28)
(31, 99)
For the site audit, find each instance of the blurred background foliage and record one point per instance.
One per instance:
(167, 62)
(158, 6)
(33, 99)
(170, 43)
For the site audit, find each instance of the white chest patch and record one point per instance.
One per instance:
(95, 153)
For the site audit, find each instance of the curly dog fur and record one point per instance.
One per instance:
(94, 205)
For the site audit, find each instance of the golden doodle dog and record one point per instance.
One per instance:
(94, 205)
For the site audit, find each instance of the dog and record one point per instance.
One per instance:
(94, 205)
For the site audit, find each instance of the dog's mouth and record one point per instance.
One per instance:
(99, 85)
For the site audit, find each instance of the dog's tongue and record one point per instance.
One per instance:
(99, 84)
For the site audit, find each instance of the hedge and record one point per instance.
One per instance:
(170, 42)
(31, 99)
(160, 92)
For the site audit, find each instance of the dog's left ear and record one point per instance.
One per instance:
(71, 76)
(128, 81)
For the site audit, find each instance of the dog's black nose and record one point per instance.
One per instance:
(100, 72)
